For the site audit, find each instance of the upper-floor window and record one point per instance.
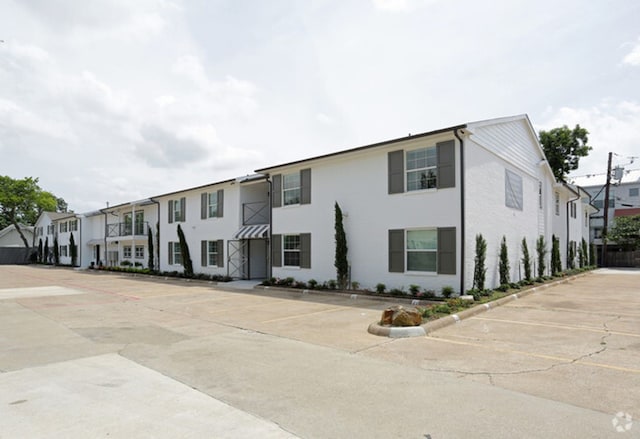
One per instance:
(51, 228)
(633, 192)
(177, 210)
(211, 204)
(73, 225)
(63, 227)
(291, 188)
(422, 170)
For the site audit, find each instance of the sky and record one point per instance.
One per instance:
(118, 100)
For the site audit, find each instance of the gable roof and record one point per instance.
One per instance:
(10, 228)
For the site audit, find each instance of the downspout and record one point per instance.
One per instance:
(462, 217)
(157, 264)
(79, 242)
(105, 238)
(568, 228)
(269, 255)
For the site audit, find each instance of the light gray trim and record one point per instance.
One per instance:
(395, 162)
(276, 250)
(305, 250)
(220, 212)
(204, 205)
(446, 164)
(305, 186)
(446, 250)
(276, 190)
(396, 251)
(220, 250)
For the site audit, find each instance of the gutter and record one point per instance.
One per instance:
(568, 218)
(157, 264)
(462, 210)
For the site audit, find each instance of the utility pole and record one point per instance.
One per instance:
(606, 212)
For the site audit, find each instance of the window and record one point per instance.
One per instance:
(175, 256)
(73, 225)
(51, 228)
(513, 190)
(422, 171)
(139, 251)
(422, 248)
(557, 203)
(177, 210)
(213, 204)
(291, 188)
(633, 192)
(212, 252)
(64, 250)
(291, 250)
(126, 252)
(63, 227)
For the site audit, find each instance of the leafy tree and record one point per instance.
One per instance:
(503, 265)
(61, 205)
(556, 264)
(479, 270)
(626, 232)
(541, 250)
(526, 260)
(56, 251)
(563, 148)
(341, 263)
(21, 202)
(184, 251)
(73, 250)
(150, 248)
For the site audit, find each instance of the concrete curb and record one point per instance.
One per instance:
(427, 328)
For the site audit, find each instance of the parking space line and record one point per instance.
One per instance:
(297, 316)
(556, 325)
(542, 356)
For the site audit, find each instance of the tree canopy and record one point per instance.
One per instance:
(563, 148)
(626, 232)
(22, 201)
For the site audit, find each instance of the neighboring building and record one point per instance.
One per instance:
(9, 236)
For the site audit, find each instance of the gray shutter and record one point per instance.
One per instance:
(204, 253)
(396, 171)
(170, 211)
(204, 205)
(447, 250)
(220, 248)
(276, 190)
(170, 254)
(305, 250)
(183, 209)
(276, 250)
(220, 212)
(446, 164)
(305, 186)
(396, 251)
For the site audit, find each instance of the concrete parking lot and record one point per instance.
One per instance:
(86, 354)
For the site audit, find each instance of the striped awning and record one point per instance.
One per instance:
(252, 232)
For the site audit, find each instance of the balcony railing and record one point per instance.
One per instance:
(255, 213)
(126, 229)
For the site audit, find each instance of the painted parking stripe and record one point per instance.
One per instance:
(555, 325)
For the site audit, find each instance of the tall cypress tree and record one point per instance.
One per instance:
(503, 266)
(56, 251)
(184, 252)
(556, 264)
(40, 250)
(479, 269)
(341, 261)
(73, 250)
(149, 249)
(541, 250)
(526, 260)
(46, 250)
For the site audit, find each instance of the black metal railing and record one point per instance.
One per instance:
(255, 213)
(127, 229)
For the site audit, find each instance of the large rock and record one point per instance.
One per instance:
(400, 316)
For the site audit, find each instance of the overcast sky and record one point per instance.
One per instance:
(118, 100)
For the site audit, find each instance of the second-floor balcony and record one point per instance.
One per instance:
(255, 213)
(127, 229)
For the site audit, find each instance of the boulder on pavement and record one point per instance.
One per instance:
(400, 316)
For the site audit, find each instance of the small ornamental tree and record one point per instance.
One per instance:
(187, 264)
(56, 251)
(45, 251)
(341, 263)
(541, 250)
(40, 250)
(73, 250)
(503, 266)
(555, 256)
(526, 260)
(583, 254)
(571, 257)
(150, 249)
(479, 269)
(592, 255)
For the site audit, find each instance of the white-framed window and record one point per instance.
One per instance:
(634, 192)
(291, 250)
(422, 250)
(126, 252)
(212, 209)
(139, 251)
(51, 228)
(557, 203)
(63, 227)
(73, 225)
(212, 253)
(177, 210)
(177, 254)
(64, 250)
(291, 188)
(422, 168)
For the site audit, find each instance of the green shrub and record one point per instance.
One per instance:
(442, 309)
(332, 284)
(426, 312)
(397, 292)
(447, 291)
(503, 288)
(312, 284)
(429, 294)
(381, 288)
(355, 285)
(414, 289)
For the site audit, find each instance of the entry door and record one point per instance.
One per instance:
(238, 259)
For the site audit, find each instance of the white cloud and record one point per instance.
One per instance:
(391, 5)
(633, 57)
